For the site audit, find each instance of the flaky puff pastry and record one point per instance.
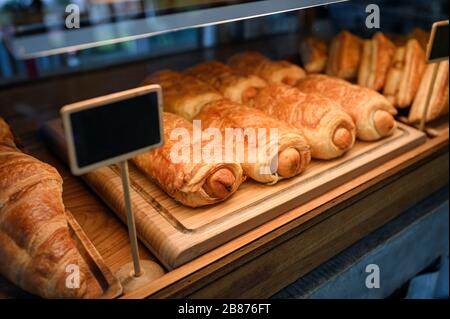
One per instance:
(330, 131)
(404, 76)
(183, 95)
(35, 244)
(230, 83)
(344, 56)
(439, 96)
(273, 72)
(371, 111)
(190, 181)
(293, 154)
(376, 60)
(314, 54)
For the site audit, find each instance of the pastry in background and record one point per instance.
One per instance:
(329, 131)
(371, 111)
(183, 95)
(188, 182)
(230, 83)
(314, 54)
(439, 96)
(405, 73)
(35, 243)
(344, 56)
(293, 151)
(376, 60)
(273, 72)
(421, 36)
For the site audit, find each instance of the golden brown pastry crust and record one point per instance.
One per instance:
(185, 181)
(361, 103)
(318, 118)
(439, 96)
(273, 72)
(377, 57)
(35, 243)
(314, 54)
(345, 55)
(231, 84)
(404, 76)
(183, 95)
(226, 114)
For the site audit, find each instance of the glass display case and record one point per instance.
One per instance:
(357, 152)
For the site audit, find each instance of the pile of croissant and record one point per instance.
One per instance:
(392, 64)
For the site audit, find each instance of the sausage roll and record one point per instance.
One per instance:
(273, 72)
(293, 154)
(376, 60)
(189, 181)
(371, 111)
(439, 96)
(329, 131)
(183, 95)
(230, 83)
(345, 56)
(405, 73)
(314, 54)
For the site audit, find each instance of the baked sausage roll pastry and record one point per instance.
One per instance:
(405, 73)
(314, 54)
(344, 56)
(330, 131)
(190, 181)
(183, 95)
(232, 84)
(273, 72)
(376, 60)
(371, 111)
(292, 156)
(35, 243)
(439, 96)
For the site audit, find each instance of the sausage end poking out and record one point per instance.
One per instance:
(289, 162)
(384, 122)
(220, 183)
(343, 138)
(249, 94)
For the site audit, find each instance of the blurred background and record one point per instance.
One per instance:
(22, 18)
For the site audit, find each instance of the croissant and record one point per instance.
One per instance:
(405, 73)
(330, 131)
(439, 96)
(231, 84)
(293, 154)
(371, 111)
(273, 72)
(183, 95)
(314, 54)
(35, 243)
(345, 56)
(190, 181)
(376, 60)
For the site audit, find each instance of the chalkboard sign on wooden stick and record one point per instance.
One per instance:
(110, 130)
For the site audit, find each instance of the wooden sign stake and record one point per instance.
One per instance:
(130, 218)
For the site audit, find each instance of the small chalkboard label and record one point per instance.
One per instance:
(112, 128)
(438, 44)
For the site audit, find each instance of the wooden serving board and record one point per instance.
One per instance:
(108, 282)
(177, 234)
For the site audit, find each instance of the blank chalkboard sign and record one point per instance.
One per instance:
(438, 44)
(112, 128)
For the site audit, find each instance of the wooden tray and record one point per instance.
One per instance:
(177, 234)
(108, 282)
